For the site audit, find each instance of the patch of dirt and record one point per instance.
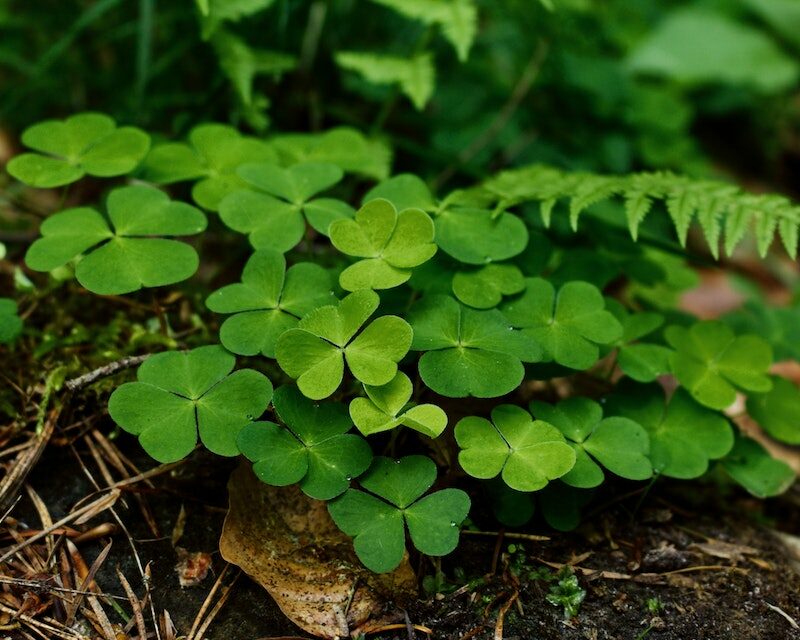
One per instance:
(708, 571)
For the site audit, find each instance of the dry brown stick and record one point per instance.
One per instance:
(136, 606)
(85, 575)
(226, 591)
(142, 571)
(11, 483)
(102, 372)
(93, 508)
(501, 615)
(39, 585)
(207, 602)
(67, 633)
(44, 516)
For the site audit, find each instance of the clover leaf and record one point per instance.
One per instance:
(568, 326)
(468, 352)
(404, 191)
(10, 322)
(313, 449)
(268, 301)
(377, 520)
(86, 143)
(477, 236)
(180, 395)
(314, 353)
(778, 411)
(382, 409)
(641, 361)
(129, 257)
(751, 465)
(527, 452)
(684, 436)
(618, 444)
(212, 155)
(391, 243)
(484, 288)
(271, 211)
(713, 363)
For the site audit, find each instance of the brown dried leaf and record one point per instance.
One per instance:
(726, 550)
(288, 543)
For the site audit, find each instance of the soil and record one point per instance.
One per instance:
(647, 547)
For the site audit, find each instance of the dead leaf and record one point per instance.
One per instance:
(288, 543)
(192, 568)
(726, 550)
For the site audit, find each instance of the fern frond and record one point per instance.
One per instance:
(415, 76)
(715, 205)
(458, 19)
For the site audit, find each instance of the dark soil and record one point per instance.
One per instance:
(692, 595)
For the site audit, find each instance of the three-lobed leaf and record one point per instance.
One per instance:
(313, 449)
(468, 352)
(390, 243)
(527, 453)
(268, 301)
(10, 322)
(684, 435)
(751, 465)
(713, 363)
(382, 409)
(778, 410)
(315, 352)
(619, 444)
(568, 325)
(128, 254)
(377, 520)
(83, 144)
(179, 396)
(274, 207)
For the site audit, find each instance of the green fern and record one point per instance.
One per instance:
(458, 19)
(717, 206)
(415, 76)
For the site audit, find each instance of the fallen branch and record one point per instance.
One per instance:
(103, 372)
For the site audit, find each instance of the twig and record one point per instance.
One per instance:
(93, 508)
(104, 371)
(501, 615)
(207, 602)
(511, 536)
(781, 612)
(226, 591)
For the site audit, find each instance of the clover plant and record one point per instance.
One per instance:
(528, 344)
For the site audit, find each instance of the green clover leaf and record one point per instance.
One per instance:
(382, 409)
(756, 470)
(618, 444)
(268, 301)
(484, 288)
(568, 326)
(468, 352)
(271, 211)
(404, 191)
(10, 322)
(378, 523)
(86, 143)
(561, 505)
(212, 155)
(477, 236)
(641, 361)
(129, 257)
(391, 243)
(314, 449)
(314, 353)
(182, 394)
(684, 436)
(778, 411)
(345, 147)
(713, 363)
(527, 452)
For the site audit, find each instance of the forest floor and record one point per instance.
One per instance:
(662, 563)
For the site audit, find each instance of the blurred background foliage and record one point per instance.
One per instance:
(700, 86)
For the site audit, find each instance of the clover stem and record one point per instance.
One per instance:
(162, 318)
